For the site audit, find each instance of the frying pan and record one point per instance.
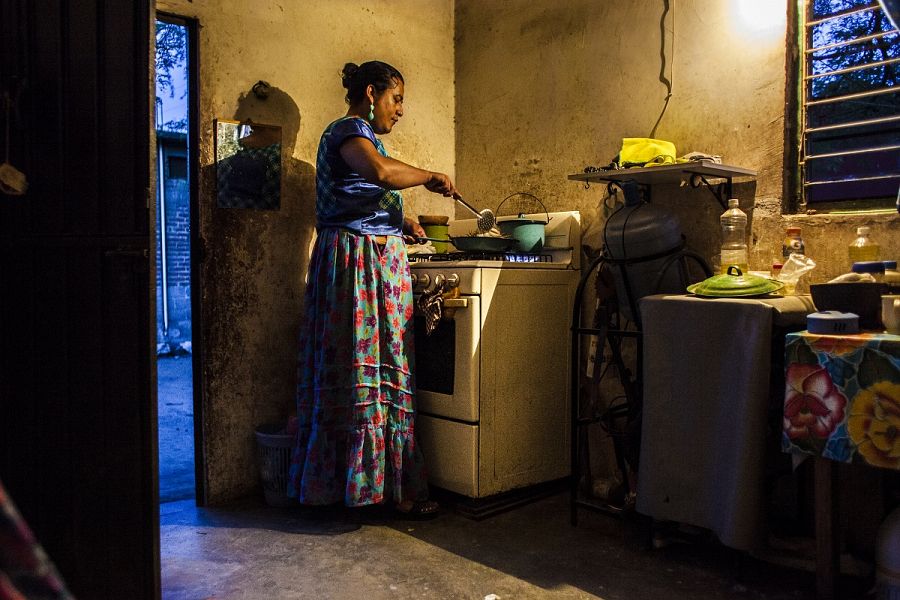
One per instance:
(476, 243)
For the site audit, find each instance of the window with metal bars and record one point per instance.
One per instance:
(850, 105)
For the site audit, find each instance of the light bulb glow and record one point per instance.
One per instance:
(758, 17)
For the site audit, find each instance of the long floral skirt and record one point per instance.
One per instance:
(355, 389)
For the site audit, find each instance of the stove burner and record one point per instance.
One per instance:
(519, 257)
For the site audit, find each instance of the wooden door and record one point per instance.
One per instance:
(77, 397)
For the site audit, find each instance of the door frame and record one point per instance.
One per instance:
(197, 248)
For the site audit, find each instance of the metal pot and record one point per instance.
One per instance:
(528, 233)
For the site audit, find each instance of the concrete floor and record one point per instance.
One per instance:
(176, 427)
(253, 551)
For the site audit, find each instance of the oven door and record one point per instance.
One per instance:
(448, 361)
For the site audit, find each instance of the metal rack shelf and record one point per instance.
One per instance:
(609, 329)
(697, 173)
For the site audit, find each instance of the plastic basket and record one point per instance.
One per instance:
(274, 449)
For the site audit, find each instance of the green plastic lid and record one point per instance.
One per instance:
(734, 284)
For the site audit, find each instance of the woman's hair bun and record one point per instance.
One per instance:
(357, 79)
(347, 74)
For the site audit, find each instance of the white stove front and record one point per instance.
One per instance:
(492, 380)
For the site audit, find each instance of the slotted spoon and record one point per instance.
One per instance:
(486, 219)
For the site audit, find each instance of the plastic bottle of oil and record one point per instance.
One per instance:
(734, 237)
(863, 249)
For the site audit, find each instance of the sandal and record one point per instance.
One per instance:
(419, 510)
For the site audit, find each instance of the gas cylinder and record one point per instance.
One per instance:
(637, 230)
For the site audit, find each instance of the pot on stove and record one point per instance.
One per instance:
(436, 228)
(527, 231)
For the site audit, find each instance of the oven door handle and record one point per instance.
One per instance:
(456, 303)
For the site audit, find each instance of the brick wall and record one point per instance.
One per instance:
(178, 254)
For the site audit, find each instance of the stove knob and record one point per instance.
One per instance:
(439, 280)
(414, 279)
(425, 280)
(453, 280)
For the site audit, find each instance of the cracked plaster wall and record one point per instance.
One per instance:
(545, 88)
(524, 94)
(255, 262)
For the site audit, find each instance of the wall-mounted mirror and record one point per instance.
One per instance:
(248, 165)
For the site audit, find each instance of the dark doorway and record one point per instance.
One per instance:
(78, 413)
(176, 222)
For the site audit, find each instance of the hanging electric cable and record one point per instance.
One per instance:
(662, 68)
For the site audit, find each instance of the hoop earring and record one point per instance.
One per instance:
(371, 111)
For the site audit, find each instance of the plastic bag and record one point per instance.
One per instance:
(794, 268)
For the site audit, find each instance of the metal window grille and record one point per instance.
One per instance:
(850, 112)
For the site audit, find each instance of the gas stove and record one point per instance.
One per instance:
(492, 377)
(518, 257)
(473, 271)
(562, 248)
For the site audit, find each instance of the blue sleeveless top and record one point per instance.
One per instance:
(343, 198)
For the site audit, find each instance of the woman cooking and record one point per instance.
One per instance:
(355, 396)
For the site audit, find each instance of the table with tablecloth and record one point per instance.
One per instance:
(842, 397)
(841, 404)
(706, 406)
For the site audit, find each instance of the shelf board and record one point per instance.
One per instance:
(667, 173)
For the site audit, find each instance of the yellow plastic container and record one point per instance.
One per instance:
(440, 232)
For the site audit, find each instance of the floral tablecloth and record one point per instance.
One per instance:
(842, 397)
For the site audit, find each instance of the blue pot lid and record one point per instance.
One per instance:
(521, 220)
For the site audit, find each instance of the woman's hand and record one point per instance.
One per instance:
(439, 183)
(412, 230)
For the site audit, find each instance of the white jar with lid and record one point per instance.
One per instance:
(891, 275)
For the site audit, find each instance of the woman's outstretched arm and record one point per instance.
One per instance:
(391, 173)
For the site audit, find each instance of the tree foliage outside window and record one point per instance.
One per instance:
(851, 103)
(171, 65)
